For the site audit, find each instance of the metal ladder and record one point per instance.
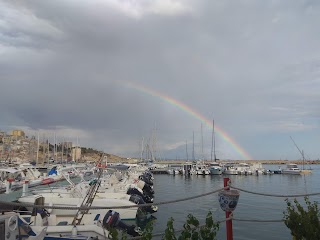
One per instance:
(88, 199)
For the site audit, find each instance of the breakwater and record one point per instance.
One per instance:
(269, 162)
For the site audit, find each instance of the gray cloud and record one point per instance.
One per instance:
(253, 66)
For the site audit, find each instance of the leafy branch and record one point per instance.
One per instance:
(191, 230)
(303, 223)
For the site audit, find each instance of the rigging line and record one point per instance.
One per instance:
(254, 206)
(257, 220)
(275, 195)
(111, 207)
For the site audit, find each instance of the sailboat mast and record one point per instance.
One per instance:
(202, 143)
(193, 158)
(187, 149)
(38, 141)
(301, 152)
(214, 142)
(212, 139)
(142, 149)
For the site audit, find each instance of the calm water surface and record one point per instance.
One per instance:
(250, 207)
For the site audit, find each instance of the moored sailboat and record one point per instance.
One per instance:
(215, 167)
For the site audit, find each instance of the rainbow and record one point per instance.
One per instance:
(193, 113)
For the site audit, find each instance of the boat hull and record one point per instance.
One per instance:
(215, 171)
(291, 172)
(108, 203)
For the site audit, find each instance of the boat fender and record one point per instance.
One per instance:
(74, 231)
(49, 211)
(112, 219)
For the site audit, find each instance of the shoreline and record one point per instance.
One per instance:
(270, 162)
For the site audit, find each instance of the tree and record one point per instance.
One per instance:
(303, 223)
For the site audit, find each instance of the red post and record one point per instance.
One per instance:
(229, 222)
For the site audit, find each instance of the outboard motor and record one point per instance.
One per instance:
(146, 179)
(135, 191)
(147, 199)
(149, 175)
(138, 200)
(112, 219)
(148, 190)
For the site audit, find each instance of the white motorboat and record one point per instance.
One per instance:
(215, 168)
(258, 169)
(229, 169)
(111, 192)
(170, 171)
(243, 169)
(201, 169)
(72, 199)
(42, 225)
(292, 169)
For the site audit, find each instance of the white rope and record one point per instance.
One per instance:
(275, 195)
(109, 207)
(257, 220)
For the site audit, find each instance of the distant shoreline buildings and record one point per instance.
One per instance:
(16, 146)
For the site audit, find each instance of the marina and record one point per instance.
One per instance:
(217, 168)
(137, 185)
(86, 204)
(171, 120)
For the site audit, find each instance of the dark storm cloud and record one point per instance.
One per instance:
(66, 63)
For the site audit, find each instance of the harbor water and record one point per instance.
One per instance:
(258, 216)
(255, 209)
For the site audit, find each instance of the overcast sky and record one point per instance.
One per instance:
(71, 67)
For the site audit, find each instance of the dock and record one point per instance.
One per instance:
(159, 171)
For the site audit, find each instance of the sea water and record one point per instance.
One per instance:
(253, 210)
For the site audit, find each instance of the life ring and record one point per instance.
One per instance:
(13, 223)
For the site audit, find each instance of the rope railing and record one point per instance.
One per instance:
(258, 220)
(275, 195)
(14, 204)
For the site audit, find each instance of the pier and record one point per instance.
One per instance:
(159, 171)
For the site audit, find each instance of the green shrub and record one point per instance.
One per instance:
(303, 223)
(191, 230)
